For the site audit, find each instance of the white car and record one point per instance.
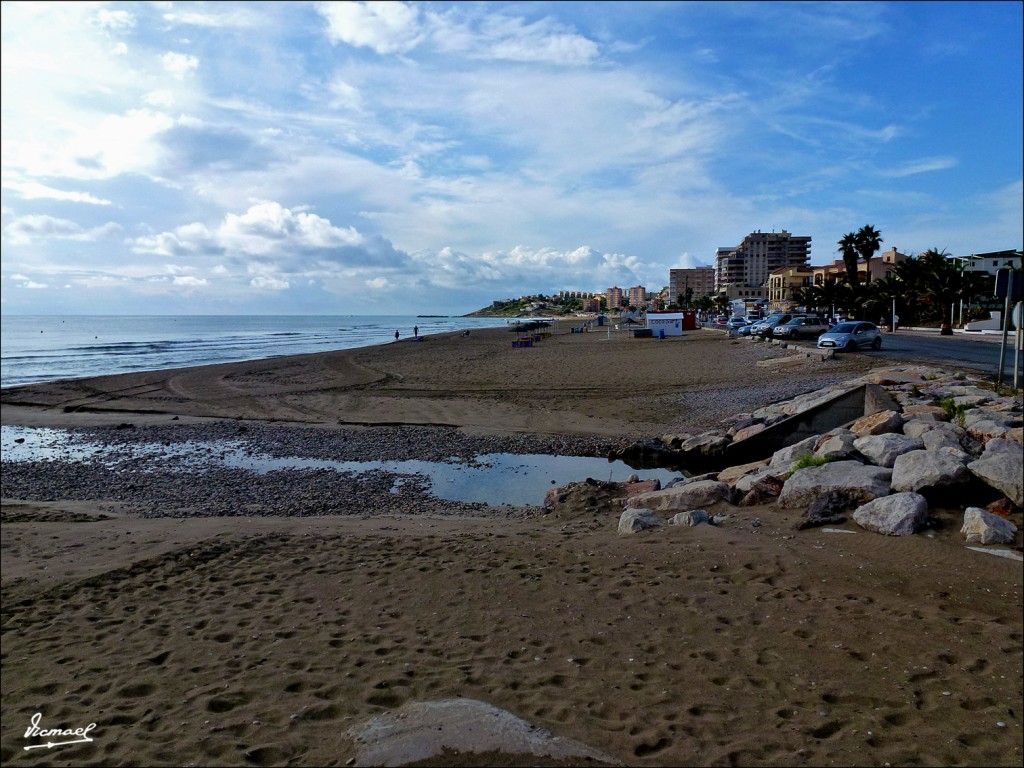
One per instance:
(851, 335)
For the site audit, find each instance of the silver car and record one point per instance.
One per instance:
(851, 335)
(801, 327)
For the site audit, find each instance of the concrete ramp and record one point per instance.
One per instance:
(845, 407)
(426, 729)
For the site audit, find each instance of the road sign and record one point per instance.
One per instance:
(1010, 282)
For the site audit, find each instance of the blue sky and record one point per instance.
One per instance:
(351, 158)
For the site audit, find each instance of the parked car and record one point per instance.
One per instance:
(736, 322)
(852, 335)
(765, 327)
(801, 327)
(721, 322)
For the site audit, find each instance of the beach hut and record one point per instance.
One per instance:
(665, 323)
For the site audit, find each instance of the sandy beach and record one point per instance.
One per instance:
(265, 639)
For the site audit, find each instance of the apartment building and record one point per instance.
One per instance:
(699, 280)
(638, 296)
(760, 253)
(613, 297)
(784, 283)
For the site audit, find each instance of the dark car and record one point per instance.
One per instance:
(765, 327)
(852, 335)
(801, 327)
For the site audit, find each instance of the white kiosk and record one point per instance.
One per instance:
(671, 323)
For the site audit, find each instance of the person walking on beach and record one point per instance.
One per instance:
(396, 335)
(415, 330)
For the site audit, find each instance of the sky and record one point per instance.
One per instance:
(408, 158)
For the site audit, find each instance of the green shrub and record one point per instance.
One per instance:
(805, 460)
(955, 412)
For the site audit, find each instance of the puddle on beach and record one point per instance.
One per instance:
(495, 478)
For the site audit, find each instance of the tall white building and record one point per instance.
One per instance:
(760, 254)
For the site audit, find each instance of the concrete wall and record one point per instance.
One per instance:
(842, 409)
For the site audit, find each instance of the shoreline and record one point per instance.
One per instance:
(606, 384)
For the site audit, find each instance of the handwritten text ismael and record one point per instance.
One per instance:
(68, 735)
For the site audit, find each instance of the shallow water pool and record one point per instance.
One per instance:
(495, 478)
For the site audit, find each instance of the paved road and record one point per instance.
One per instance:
(979, 353)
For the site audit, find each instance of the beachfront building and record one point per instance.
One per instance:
(881, 266)
(749, 295)
(760, 254)
(695, 282)
(784, 283)
(991, 262)
(637, 296)
(613, 298)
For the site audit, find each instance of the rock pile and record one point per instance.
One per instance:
(946, 440)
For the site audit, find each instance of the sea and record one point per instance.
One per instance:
(38, 348)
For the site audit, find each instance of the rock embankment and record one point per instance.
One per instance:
(945, 442)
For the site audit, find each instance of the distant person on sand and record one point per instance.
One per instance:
(415, 330)
(396, 335)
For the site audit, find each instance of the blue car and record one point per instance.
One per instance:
(851, 335)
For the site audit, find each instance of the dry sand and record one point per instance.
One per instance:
(583, 383)
(273, 641)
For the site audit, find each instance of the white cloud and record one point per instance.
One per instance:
(396, 27)
(268, 229)
(179, 64)
(265, 283)
(114, 21)
(26, 282)
(509, 38)
(28, 229)
(343, 95)
(221, 15)
(925, 165)
(385, 27)
(189, 281)
(98, 149)
(33, 190)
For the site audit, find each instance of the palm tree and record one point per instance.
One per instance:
(946, 282)
(886, 294)
(848, 248)
(853, 298)
(867, 241)
(830, 294)
(910, 276)
(808, 297)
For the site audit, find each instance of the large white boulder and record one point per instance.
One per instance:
(882, 450)
(900, 514)
(859, 481)
(917, 470)
(1002, 467)
(681, 498)
(982, 527)
(634, 520)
